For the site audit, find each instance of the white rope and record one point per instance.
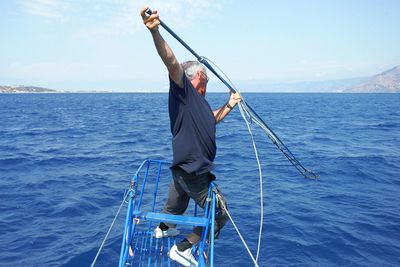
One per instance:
(247, 113)
(237, 230)
(109, 229)
(261, 182)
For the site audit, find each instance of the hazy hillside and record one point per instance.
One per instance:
(385, 82)
(329, 86)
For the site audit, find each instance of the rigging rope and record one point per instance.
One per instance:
(109, 229)
(244, 113)
(261, 183)
(237, 230)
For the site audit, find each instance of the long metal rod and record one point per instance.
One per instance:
(272, 136)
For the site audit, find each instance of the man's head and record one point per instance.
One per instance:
(197, 75)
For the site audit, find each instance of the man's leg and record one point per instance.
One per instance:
(177, 201)
(196, 187)
(220, 217)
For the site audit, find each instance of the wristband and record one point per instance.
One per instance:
(229, 106)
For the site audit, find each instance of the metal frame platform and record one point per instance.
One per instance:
(139, 247)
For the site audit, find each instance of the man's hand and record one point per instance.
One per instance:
(234, 99)
(221, 113)
(151, 21)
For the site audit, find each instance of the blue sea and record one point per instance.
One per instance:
(67, 159)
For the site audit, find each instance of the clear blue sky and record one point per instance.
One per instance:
(69, 44)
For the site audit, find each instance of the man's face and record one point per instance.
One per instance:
(200, 82)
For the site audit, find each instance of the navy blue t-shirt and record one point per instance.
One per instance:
(193, 129)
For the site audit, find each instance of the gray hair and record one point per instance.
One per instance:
(192, 67)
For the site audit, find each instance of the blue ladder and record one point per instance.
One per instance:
(139, 247)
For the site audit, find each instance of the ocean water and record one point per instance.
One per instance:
(66, 159)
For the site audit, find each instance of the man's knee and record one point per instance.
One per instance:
(175, 210)
(222, 217)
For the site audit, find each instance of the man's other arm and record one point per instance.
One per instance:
(221, 113)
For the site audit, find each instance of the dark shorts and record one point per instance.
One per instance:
(184, 187)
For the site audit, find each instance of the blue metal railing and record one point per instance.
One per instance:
(138, 247)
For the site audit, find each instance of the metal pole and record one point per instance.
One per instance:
(275, 139)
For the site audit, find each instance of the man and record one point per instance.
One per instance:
(193, 126)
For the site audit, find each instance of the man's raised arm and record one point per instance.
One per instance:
(174, 68)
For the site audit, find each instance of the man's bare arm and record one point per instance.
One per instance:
(167, 55)
(221, 113)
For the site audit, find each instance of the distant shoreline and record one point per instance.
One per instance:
(385, 82)
(219, 92)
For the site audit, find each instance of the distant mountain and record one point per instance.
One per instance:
(328, 86)
(25, 89)
(385, 82)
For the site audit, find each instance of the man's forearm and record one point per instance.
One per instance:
(221, 113)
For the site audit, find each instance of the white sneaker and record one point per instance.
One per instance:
(158, 233)
(184, 258)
